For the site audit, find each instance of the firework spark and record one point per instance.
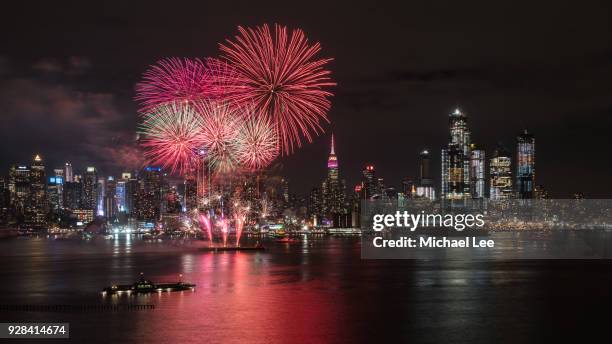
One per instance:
(175, 80)
(218, 134)
(172, 136)
(281, 76)
(256, 143)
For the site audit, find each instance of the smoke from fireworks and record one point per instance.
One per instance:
(171, 136)
(279, 74)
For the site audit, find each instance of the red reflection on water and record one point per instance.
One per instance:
(242, 297)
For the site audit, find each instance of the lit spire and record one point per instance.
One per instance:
(332, 161)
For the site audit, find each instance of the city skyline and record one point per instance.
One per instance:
(390, 101)
(482, 171)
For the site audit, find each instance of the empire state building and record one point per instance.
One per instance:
(333, 189)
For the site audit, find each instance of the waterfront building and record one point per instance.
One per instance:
(73, 192)
(477, 172)
(369, 182)
(89, 197)
(19, 188)
(455, 159)
(333, 189)
(425, 187)
(525, 165)
(500, 172)
(37, 207)
(55, 191)
(149, 196)
(110, 198)
(68, 176)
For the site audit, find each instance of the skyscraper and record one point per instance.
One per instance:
(333, 189)
(4, 200)
(37, 206)
(425, 187)
(55, 191)
(73, 193)
(149, 196)
(110, 198)
(370, 183)
(19, 188)
(525, 165)
(501, 174)
(89, 197)
(455, 159)
(68, 172)
(477, 172)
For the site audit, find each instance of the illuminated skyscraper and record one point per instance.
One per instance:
(110, 198)
(19, 188)
(370, 182)
(525, 165)
(4, 200)
(333, 189)
(68, 172)
(149, 196)
(37, 208)
(73, 193)
(425, 187)
(55, 190)
(477, 172)
(89, 198)
(501, 175)
(455, 159)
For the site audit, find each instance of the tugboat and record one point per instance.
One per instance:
(145, 286)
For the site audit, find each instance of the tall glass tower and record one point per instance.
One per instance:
(477, 172)
(525, 165)
(501, 175)
(456, 159)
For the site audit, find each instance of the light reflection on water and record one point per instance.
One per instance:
(316, 291)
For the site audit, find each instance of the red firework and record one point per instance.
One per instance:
(280, 75)
(172, 136)
(256, 144)
(218, 133)
(175, 80)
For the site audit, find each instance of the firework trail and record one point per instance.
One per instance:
(280, 75)
(239, 223)
(204, 220)
(224, 224)
(176, 80)
(171, 136)
(256, 143)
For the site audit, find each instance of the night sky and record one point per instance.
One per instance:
(67, 75)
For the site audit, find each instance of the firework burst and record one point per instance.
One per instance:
(256, 143)
(171, 136)
(176, 80)
(218, 134)
(280, 75)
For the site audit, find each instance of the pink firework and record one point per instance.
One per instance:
(280, 75)
(172, 136)
(218, 134)
(175, 80)
(256, 144)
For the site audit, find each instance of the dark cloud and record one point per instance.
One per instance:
(62, 122)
